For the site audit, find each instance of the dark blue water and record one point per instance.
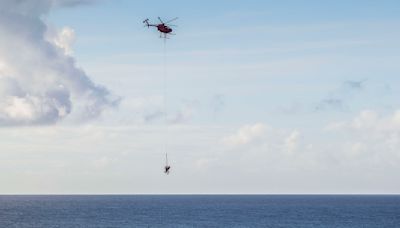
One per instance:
(200, 211)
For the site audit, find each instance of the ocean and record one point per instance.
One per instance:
(200, 211)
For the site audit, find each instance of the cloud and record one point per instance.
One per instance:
(38, 7)
(70, 3)
(291, 109)
(151, 110)
(292, 141)
(63, 39)
(338, 99)
(245, 135)
(185, 112)
(217, 103)
(371, 136)
(261, 138)
(355, 84)
(40, 82)
(331, 103)
(368, 140)
(143, 109)
(369, 122)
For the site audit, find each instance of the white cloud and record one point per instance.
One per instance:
(291, 141)
(245, 135)
(126, 153)
(368, 140)
(366, 119)
(40, 83)
(371, 122)
(356, 149)
(184, 114)
(62, 39)
(264, 139)
(371, 137)
(38, 7)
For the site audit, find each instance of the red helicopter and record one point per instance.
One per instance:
(163, 28)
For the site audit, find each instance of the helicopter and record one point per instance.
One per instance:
(164, 28)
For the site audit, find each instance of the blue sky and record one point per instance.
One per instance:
(247, 50)
(262, 97)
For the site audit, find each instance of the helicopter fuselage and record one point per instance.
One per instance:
(163, 28)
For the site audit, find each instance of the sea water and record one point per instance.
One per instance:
(200, 211)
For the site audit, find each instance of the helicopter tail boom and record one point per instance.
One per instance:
(146, 22)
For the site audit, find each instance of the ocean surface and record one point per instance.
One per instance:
(201, 211)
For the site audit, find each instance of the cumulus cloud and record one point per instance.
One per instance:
(265, 139)
(370, 121)
(291, 141)
(63, 39)
(38, 7)
(369, 139)
(371, 135)
(245, 135)
(40, 82)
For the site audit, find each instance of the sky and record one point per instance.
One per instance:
(270, 97)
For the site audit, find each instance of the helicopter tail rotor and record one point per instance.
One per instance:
(146, 22)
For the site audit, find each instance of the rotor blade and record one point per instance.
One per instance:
(161, 20)
(171, 20)
(172, 25)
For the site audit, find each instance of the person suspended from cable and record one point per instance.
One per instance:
(164, 28)
(167, 166)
